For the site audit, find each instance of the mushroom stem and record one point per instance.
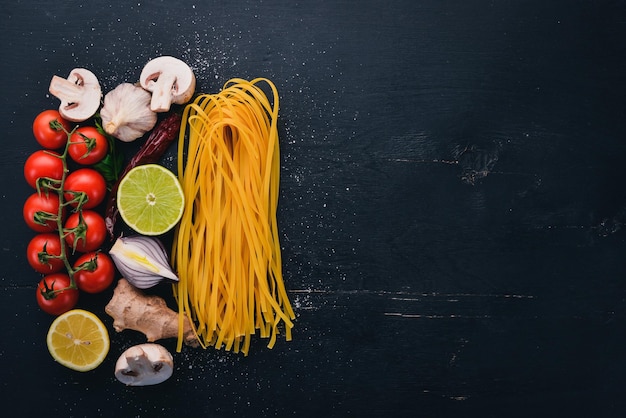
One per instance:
(67, 90)
(162, 92)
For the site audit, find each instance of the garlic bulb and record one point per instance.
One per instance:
(126, 112)
(141, 260)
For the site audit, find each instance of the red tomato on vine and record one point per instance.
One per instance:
(40, 211)
(48, 129)
(42, 252)
(88, 181)
(88, 146)
(54, 296)
(88, 235)
(95, 272)
(43, 163)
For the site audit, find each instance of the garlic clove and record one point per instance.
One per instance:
(142, 260)
(126, 112)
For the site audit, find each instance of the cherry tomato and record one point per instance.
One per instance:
(43, 164)
(88, 146)
(56, 303)
(90, 236)
(42, 202)
(48, 135)
(39, 250)
(99, 273)
(90, 182)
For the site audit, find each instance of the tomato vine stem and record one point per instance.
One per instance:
(59, 188)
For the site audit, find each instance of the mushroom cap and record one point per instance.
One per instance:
(170, 80)
(144, 365)
(80, 94)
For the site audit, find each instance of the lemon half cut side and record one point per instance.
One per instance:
(79, 340)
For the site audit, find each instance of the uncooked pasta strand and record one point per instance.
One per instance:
(226, 247)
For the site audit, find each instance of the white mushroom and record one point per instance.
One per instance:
(144, 364)
(170, 80)
(80, 94)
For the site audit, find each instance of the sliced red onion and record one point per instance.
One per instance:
(142, 260)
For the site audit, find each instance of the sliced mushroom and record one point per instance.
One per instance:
(170, 80)
(144, 364)
(80, 94)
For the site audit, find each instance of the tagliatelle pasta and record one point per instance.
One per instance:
(226, 248)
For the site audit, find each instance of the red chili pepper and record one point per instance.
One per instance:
(151, 151)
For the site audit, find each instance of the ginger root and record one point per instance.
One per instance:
(130, 308)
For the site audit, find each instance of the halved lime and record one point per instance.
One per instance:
(150, 199)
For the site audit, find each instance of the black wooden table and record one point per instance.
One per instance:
(451, 212)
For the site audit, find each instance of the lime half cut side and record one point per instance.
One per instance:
(150, 199)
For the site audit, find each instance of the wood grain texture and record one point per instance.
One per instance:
(451, 210)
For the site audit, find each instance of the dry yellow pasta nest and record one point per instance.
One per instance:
(226, 247)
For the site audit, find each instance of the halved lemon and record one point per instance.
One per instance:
(79, 340)
(150, 199)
